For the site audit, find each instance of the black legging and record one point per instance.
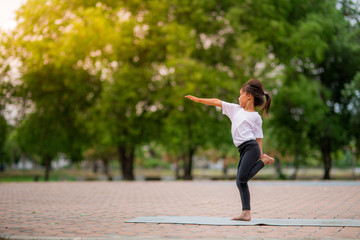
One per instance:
(249, 165)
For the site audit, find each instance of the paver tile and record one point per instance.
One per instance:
(100, 209)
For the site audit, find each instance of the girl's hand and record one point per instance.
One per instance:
(192, 98)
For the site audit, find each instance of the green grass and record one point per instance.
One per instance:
(267, 173)
(35, 175)
(33, 179)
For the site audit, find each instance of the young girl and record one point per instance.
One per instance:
(247, 134)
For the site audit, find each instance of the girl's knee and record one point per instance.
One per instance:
(241, 179)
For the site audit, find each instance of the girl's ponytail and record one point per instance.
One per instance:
(266, 107)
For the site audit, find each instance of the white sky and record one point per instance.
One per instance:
(7, 22)
(7, 13)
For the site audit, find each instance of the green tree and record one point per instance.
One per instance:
(312, 39)
(339, 68)
(127, 115)
(42, 135)
(3, 135)
(49, 41)
(5, 93)
(11, 148)
(299, 107)
(220, 62)
(159, 53)
(132, 62)
(187, 126)
(352, 94)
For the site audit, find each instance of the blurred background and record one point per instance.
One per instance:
(94, 90)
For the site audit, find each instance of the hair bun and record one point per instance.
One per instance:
(255, 83)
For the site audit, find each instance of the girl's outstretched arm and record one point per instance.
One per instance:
(208, 101)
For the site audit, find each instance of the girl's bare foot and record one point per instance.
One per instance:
(245, 216)
(267, 160)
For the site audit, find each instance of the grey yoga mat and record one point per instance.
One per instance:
(255, 221)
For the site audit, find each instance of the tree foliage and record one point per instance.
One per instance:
(315, 42)
(105, 75)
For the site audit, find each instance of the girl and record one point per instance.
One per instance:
(246, 130)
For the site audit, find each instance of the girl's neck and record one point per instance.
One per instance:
(249, 107)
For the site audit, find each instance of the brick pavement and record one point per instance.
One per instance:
(98, 210)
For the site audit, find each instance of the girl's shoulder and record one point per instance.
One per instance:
(232, 106)
(230, 109)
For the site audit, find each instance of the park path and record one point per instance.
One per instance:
(98, 210)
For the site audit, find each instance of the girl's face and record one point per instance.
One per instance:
(244, 98)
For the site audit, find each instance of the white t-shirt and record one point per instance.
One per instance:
(245, 125)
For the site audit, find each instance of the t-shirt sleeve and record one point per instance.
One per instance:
(258, 132)
(229, 109)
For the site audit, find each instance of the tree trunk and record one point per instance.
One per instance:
(95, 166)
(325, 153)
(47, 167)
(353, 159)
(356, 156)
(225, 166)
(327, 164)
(278, 169)
(296, 166)
(177, 168)
(23, 158)
(188, 164)
(106, 169)
(127, 162)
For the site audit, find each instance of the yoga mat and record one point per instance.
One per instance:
(255, 221)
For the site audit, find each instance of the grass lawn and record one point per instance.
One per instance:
(267, 173)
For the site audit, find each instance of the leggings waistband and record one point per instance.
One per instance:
(246, 144)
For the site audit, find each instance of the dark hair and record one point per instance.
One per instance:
(255, 88)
